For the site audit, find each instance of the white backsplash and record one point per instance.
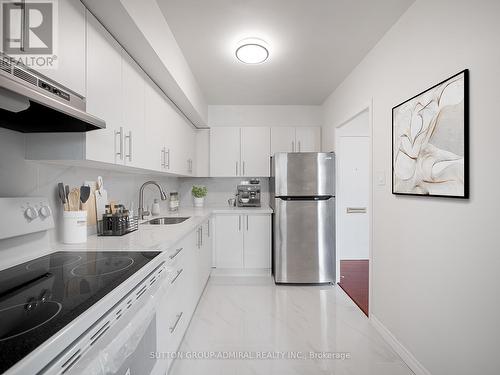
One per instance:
(220, 189)
(19, 177)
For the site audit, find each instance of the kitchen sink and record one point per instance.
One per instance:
(166, 220)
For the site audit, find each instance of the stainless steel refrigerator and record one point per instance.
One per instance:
(302, 190)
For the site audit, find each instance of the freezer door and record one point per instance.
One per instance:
(303, 174)
(304, 241)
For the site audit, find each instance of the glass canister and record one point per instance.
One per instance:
(173, 204)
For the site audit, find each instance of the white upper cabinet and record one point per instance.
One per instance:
(295, 139)
(255, 151)
(308, 139)
(155, 120)
(134, 137)
(104, 92)
(70, 71)
(225, 152)
(239, 152)
(282, 139)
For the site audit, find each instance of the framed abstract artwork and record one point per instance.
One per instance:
(430, 145)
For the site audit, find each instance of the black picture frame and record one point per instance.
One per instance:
(466, 190)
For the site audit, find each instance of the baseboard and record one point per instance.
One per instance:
(241, 272)
(399, 348)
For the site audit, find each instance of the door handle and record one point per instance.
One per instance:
(120, 134)
(176, 253)
(172, 329)
(356, 210)
(177, 276)
(129, 155)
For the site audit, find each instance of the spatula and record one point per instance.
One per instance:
(62, 194)
(84, 195)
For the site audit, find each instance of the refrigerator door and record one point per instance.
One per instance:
(303, 174)
(304, 241)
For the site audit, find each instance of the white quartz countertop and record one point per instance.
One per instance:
(159, 237)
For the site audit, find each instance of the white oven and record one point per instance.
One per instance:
(123, 341)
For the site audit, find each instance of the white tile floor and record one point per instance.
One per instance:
(253, 315)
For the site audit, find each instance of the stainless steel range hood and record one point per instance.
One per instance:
(30, 103)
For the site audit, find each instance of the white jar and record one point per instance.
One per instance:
(198, 202)
(74, 227)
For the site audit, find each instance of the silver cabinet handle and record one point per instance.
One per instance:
(356, 210)
(177, 276)
(201, 237)
(247, 223)
(299, 146)
(236, 168)
(208, 228)
(129, 137)
(172, 329)
(168, 158)
(163, 158)
(243, 169)
(176, 253)
(120, 134)
(293, 146)
(239, 223)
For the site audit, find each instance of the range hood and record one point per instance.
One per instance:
(31, 103)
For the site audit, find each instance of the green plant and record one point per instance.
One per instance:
(199, 191)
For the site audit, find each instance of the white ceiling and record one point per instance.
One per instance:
(314, 44)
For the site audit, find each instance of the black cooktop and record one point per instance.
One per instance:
(40, 297)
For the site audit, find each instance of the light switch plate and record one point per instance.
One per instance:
(381, 178)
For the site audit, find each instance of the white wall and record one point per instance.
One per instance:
(265, 115)
(435, 261)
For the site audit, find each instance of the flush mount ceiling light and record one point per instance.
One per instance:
(252, 51)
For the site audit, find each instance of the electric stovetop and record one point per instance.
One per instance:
(40, 297)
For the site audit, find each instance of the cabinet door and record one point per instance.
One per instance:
(133, 83)
(255, 151)
(104, 98)
(155, 119)
(257, 244)
(229, 241)
(282, 139)
(225, 152)
(308, 139)
(70, 70)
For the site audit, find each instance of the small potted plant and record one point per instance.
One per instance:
(199, 193)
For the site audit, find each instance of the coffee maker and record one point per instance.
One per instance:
(248, 196)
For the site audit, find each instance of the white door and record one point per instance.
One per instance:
(257, 241)
(255, 151)
(70, 70)
(308, 139)
(133, 83)
(229, 241)
(282, 139)
(225, 152)
(353, 158)
(104, 93)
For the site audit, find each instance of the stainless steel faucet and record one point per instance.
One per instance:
(142, 212)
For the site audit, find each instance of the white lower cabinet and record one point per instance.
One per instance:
(188, 266)
(243, 241)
